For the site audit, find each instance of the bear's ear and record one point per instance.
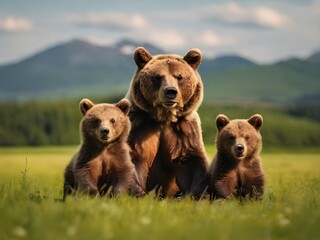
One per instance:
(124, 105)
(221, 121)
(85, 105)
(256, 121)
(141, 57)
(193, 58)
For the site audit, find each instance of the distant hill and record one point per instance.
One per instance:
(79, 69)
(285, 82)
(314, 57)
(224, 63)
(75, 68)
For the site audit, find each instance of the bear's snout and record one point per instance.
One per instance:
(169, 97)
(239, 149)
(104, 132)
(170, 93)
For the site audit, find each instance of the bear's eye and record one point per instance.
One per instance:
(96, 121)
(247, 137)
(179, 77)
(232, 138)
(158, 77)
(112, 120)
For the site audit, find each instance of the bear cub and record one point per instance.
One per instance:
(103, 160)
(236, 169)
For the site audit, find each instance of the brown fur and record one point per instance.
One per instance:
(236, 169)
(103, 160)
(166, 140)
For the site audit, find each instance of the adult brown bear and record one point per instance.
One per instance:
(166, 139)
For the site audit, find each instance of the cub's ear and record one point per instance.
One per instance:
(256, 121)
(141, 57)
(124, 105)
(221, 121)
(193, 58)
(85, 105)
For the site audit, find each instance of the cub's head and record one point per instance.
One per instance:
(105, 123)
(166, 86)
(239, 138)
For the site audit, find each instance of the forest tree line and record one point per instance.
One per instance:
(57, 123)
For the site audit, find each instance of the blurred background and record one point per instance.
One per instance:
(259, 57)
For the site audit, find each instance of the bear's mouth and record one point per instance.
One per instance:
(169, 104)
(104, 138)
(239, 156)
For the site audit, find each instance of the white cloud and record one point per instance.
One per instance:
(260, 16)
(166, 38)
(15, 24)
(133, 25)
(269, 17)
(212, 39)
(98, 41)
(112, 20)
(127, 49)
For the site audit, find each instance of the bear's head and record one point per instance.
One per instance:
(166, 86)
(239, 138)
(105, 123)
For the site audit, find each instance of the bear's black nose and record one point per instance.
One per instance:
(239, 148)
(104, 131)
(170, 93)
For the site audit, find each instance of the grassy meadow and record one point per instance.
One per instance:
(31, 187)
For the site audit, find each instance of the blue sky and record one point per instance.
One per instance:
(264, 31)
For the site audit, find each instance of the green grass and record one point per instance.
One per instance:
(31, 184)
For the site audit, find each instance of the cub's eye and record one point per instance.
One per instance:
(179, 77)
(112, 120)
(96, 121)
(232, 138)
(247, 137)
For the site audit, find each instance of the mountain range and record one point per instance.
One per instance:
(78, 69)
